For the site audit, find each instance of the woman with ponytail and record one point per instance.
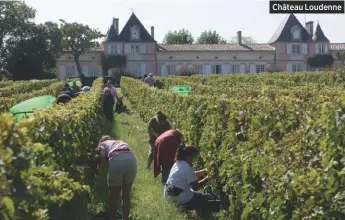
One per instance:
(183, 182)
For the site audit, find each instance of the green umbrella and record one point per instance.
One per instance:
(28, 106)
(78, 84)
(182, 89)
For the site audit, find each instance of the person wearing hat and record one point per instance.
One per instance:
(85, 89)
(109, 102)
(150, 80)
(69, 91)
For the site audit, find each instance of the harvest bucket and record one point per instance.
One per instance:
(28, 106)
(182, 89)
(77, 82)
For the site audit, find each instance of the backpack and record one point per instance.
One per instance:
(108, 97)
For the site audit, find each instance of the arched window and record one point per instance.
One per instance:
(296, 33)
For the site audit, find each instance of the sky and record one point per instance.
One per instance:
(225, 16)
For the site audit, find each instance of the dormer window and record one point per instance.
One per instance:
(135, 33)
(296, 33)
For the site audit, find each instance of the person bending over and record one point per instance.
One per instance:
(122, 171)
(166, 146)
(183, 182)
(157, 126)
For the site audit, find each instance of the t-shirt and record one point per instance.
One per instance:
(181, 176)
(158, 128)
(150, 80)
(112, 90)
(111, 148)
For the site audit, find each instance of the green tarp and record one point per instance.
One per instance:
(182, 89)
(28, 106)
(78, 84)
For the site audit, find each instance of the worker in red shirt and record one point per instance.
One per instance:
(166, 146)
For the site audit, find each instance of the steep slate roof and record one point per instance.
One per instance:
(337, 46)
(319, 35)
(125, 34)
(215, 47)
(283, 33)
(112, 35)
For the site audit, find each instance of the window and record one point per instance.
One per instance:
(137, 49)
(171, 69)
(132, 49)
(235, 68)
(296, 49)
(70, 70)
(93, 71)
(136, 68)
(216, 69)
(296, 33)
(322, 49)
(260, 68)
(113, 50)
(135, 33)
(297, 67)
(199, 69)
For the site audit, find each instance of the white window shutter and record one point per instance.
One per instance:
(62, 72)
(100, 71)
(178, 67)
(226, 68)
(86, 70)
(304, 67)
(207, 69)
(127, 49)
(289, 67)
(326, 48)
(268, 66)
(317, 48)
(252, 68)
(143, 49)
(118, 49)
(289, 48)
(143, 69)
(305, 48)
(242, 68)
(163, 70)
(190, 67)
(109, 49)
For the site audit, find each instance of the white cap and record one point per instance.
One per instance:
(150, 74)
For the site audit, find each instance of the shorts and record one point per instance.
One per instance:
(122, 170)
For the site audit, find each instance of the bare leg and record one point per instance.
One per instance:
(114, 196)
(126, 201)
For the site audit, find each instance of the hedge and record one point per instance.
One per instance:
(281, 158)
(24, 86)
(7, 102)
(47, 161)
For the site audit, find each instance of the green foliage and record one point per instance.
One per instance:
(24, 86)
(46, 159)
(321, 61)
(7, 102)
(210, 37)
(78, 39)
(245, 40)
(182, 36)
(282, 155)
(186, 72)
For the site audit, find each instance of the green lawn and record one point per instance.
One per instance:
(147, 200)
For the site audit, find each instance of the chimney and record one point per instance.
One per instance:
(239, 37)
(309, 26)
(117, 25)
(153, 32)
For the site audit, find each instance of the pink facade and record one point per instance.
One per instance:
(288, 50)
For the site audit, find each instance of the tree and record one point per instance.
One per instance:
(210, 37)
(32, 56)
(245, 40)
(321, 61)
(16, 19)
(182, 36)
(78, 39)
